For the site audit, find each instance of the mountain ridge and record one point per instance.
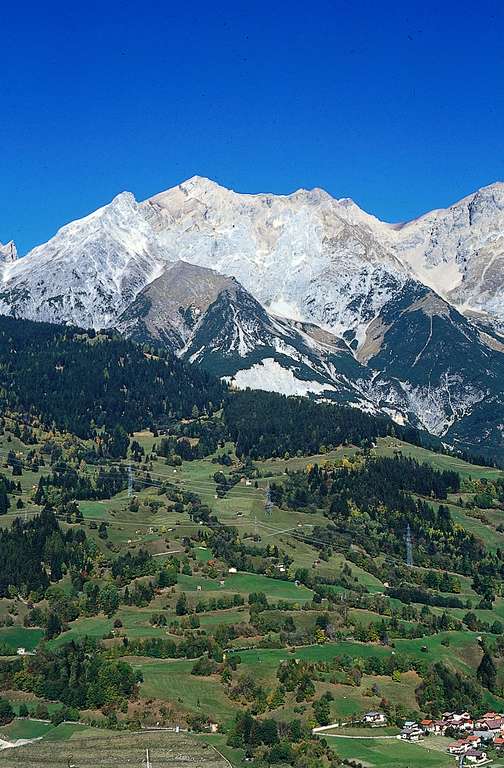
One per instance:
(202, 270)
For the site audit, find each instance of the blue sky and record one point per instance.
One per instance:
(399, 105)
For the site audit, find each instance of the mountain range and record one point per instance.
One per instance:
(301, 293)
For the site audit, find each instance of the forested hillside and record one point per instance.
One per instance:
(266, 424)
(82, 380)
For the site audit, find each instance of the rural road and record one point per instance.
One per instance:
(342, 736)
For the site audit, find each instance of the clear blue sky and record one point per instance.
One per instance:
(399, 105)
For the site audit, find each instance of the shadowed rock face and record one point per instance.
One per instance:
(211, 320)
(169, 308)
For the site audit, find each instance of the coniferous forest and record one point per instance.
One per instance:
(81, 380)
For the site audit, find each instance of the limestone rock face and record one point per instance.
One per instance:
(8, 252)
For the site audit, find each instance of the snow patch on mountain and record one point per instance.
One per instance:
(269, 375)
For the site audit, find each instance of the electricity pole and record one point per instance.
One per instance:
(409, 547)
(268, 505)
(130, 481)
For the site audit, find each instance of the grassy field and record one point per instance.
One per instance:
(21, 637)
(95, 626)
(210, 620)
(245, 583)
(24, 729)
(66, 731)
(360, 575)
(388, 446)
(16, 698)
(263, 662)
(463, 652)
(354, 700)
(279, 466)
(135, 624)
(385, 753)
(491, 538)
(172, 681)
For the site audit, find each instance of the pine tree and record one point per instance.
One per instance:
(40, 495)
(181, 606)
(487, 673)
(6, 712)
(53, 628)
(4, 502)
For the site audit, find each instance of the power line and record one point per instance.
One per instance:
(204, 484)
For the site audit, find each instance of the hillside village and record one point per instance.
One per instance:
(476, 740)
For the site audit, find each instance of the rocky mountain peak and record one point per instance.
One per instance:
(8, 252)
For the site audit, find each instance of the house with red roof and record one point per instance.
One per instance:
(459, 747)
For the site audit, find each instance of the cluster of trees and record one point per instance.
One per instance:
(444, 690)
(477, 625)
(224, 483)
(372, 503)
(487, 672)
(133, 564)
(80, 380)
(277, 742)
(140, 595)
(6, 712)
(322, 708)
(65, 483)
(296, 675)
(191, 440)
(441, 581)
(60, 609)
(63, 607)
(264, 424)
(409, 593)
(100, 597)
(79, 675)
(219, 603)
(190, 647)
(6, 486)
(31, 550)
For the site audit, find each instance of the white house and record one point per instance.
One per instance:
(412, 733)
(375, 719)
